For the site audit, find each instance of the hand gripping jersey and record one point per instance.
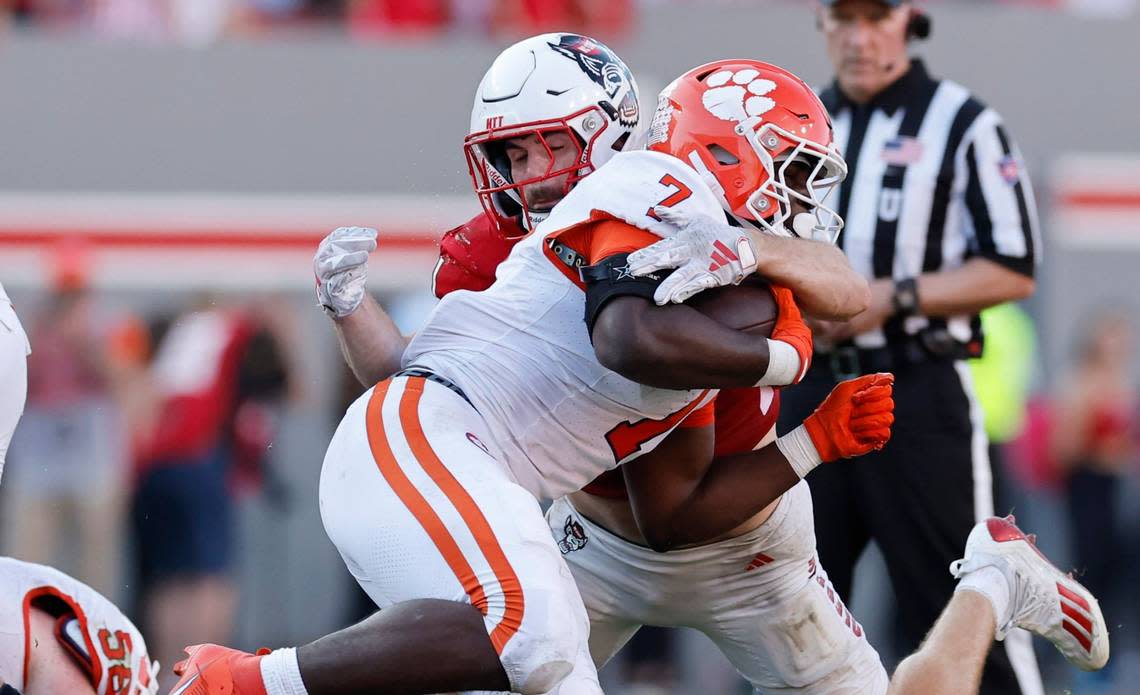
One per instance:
(521, 352)
(107, 647)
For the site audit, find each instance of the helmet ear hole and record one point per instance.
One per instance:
(722, 155)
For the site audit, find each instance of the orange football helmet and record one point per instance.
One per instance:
(741, 124)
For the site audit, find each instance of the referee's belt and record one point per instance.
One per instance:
(848, 361)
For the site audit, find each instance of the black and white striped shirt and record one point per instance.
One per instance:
(933, 180)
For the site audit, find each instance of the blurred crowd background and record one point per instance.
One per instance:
(167, 168)
(203, 21)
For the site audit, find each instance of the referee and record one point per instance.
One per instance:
(940, 218)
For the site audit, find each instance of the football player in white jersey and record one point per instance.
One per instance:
(14, 351)
(206, 663)
(429, 486)
(58, 635)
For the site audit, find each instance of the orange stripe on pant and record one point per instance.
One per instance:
(426, 516)
(468, 510)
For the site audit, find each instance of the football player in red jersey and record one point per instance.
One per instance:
(675, 505)
(743, 417)
(542, 165)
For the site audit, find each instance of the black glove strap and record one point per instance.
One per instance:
(8, 690)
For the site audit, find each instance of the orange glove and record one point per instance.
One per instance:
(791, 329)
(854, 419)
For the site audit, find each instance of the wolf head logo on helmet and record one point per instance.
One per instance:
(604, 68)
(596, 60)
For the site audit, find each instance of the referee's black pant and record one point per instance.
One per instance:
(918, 498)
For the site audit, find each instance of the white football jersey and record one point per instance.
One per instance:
(521, 352)
(101, 635)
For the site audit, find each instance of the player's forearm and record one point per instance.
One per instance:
(675, 347)
(733, 490)
(818, 274)
(975, 285)
(371, 343)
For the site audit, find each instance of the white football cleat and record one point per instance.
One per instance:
(1043, 599)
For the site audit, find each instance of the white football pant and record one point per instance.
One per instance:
(414, 499)
(761, 597)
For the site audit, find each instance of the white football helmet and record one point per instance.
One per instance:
(552, 82)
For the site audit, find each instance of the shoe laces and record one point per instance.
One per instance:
(1029, 600)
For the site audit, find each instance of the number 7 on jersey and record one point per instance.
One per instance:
(681, 192)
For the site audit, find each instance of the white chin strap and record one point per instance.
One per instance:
(531, 219)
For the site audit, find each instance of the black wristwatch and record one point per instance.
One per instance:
(905, 299)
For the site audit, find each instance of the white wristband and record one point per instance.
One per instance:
(783, 364)
(281, 673)
(797, 447)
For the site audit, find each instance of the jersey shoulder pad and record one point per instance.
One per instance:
(629, 186)
(469, 255)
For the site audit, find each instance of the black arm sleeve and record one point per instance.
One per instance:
(610, 278)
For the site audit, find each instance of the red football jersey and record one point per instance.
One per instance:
(470, 253)
(743, 417)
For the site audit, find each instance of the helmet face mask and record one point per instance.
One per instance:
(491, 171)
(552, 83)
(771, 204)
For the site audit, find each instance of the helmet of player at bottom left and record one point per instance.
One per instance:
(550, 110)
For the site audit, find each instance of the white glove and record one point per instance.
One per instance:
(706, 252)
(341, 269)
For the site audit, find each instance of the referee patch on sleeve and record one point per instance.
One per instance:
(611, 278)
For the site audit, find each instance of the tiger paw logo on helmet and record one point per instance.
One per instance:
(738, 96)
